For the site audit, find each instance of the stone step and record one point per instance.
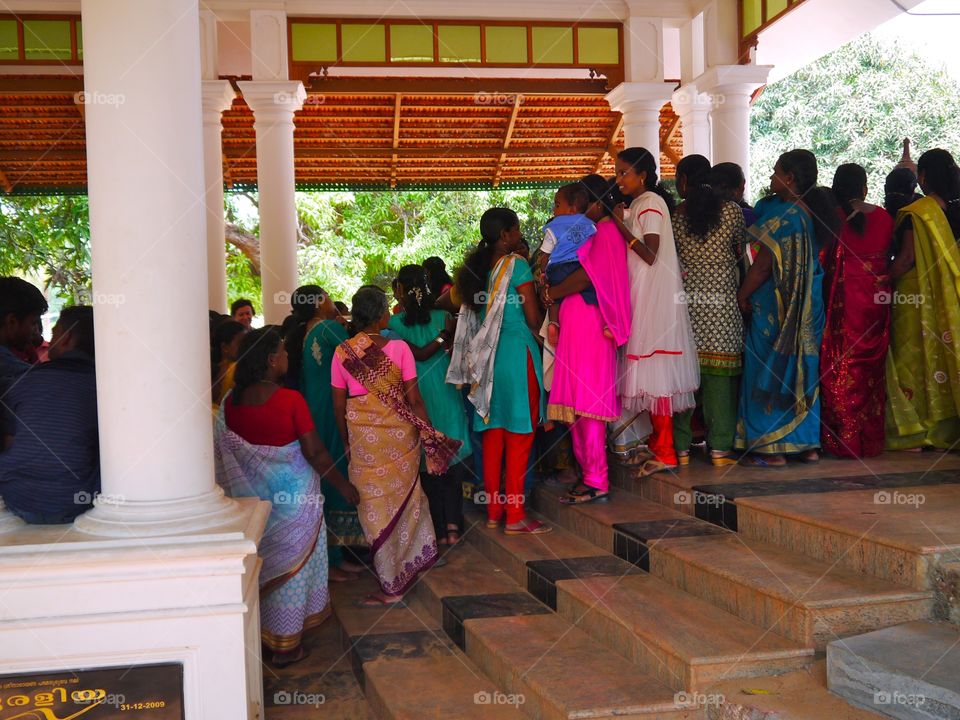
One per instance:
(531, 652)
(909, 671)
(947, 588)
(896, 535)
(679, 639)
(407, 666)
(805, 600)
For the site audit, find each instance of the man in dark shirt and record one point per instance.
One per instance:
(21, 305)
(50, 471)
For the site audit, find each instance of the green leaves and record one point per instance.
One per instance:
(855, 105)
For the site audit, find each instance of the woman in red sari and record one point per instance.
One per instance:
(857, 331)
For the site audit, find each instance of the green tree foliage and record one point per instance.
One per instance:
(350, 239)
(47, 237)
(855, 105)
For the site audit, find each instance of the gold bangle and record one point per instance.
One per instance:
(633, 242)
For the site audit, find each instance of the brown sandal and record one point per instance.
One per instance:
(529, 527)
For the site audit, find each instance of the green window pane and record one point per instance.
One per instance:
(598, 46)
(79, 40)
(314, 42)
(411, 43)
(363, 43)
(459, 43)
(751, 15)
(46, 39)
(553, 45)
(775, 7)
(506, 44)
(8, 40)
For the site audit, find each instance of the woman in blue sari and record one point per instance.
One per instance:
(783, 298)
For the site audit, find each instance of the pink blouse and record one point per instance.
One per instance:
(396, 350)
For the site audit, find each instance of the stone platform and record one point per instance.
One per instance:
(656, 604)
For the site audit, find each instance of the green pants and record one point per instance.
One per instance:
(718, 398)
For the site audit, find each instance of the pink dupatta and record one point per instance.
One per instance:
(604, 258)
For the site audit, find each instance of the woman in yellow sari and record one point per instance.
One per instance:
(923, 378)
(383, 422)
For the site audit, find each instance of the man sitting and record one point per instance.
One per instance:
(50, 471)
(21, 305)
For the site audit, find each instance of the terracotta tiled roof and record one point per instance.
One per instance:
(361, 140)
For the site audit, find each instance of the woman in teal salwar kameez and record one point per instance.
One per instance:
(323, 335)
(782, 295)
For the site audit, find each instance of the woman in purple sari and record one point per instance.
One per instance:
(383, 420)
(584, 390)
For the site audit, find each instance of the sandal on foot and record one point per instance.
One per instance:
(810, 457)
(638, 458)
(494, 524)
(586, 495)
(374, 601)
(683, 458)
(282, 660)
(652, 467)
(761, 461)
(529, 527)
(722, 460)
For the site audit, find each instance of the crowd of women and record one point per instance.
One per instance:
(814, 320)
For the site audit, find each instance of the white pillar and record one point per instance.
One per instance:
(641, 103)
(273, 104)
(217, 96)
(731, 88)
(693, 109)
(146, 189)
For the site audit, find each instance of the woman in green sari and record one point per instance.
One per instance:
(321, 335)
(923, 378)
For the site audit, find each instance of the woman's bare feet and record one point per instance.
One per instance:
(351, 567)
(453, 535)
(340, 575)
(379, 599)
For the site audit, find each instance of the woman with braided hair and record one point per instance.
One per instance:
(427, 331)
(923, 378)
(783, 297)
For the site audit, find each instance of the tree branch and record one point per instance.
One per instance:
(245, 242)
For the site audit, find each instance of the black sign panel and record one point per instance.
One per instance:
(151, 692)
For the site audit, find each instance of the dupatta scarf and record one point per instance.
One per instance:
(371, 367)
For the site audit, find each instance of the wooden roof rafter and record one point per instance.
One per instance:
(508, 136)
(397, 101)
(5, 182)
(609, 149)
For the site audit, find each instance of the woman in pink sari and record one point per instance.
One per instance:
(584, 390)
(857, 330)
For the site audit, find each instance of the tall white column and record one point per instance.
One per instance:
(693, 108)
(273, 103)
(641, 103)
(146, 188)
(217, 96)
(731, 87)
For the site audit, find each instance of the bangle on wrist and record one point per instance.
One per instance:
(633, 242)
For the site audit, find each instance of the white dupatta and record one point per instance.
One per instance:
(475, 343)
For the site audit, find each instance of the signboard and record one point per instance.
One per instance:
(150, 692)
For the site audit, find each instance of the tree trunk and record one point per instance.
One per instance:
(245, 242)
